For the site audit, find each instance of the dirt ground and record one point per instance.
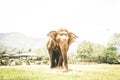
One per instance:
(73, 69)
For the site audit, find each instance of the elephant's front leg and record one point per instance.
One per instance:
(52, 59)
(65, 62)
(60, 61)
(64, 57)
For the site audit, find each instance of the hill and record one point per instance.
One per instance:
(20, 41)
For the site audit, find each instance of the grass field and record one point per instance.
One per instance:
(76, 72)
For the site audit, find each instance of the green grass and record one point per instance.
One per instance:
(76, 72)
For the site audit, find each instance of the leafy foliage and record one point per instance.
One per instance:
(92, 52)
(109, 55)
(88, 51)
(114, 41)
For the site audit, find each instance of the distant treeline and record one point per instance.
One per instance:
(91, 52)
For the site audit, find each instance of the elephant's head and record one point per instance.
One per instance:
(64, 36)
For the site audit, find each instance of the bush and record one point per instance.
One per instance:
(45, 61)
(107, 56)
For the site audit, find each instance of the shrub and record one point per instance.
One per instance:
(107, 56)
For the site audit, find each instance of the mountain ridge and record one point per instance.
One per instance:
(21, 41)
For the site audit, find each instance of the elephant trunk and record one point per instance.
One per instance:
(64, 50)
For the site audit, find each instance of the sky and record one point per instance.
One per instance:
(92, 20)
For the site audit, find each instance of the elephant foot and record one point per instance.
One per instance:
(59, 67)
(65, 70)
(52, 67)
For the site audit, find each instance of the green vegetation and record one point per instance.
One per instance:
(108, 56)
(76, 72)
(88, 51)
(91, 52)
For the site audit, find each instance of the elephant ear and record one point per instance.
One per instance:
(52, 34)
(72, 37)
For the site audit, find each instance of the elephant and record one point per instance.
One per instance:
(62, 39)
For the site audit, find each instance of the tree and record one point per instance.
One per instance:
(84, 50)
(114, 42)
(3, 50)
(29, 50)
(92, 52)
(108, 55)
(89, 51)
